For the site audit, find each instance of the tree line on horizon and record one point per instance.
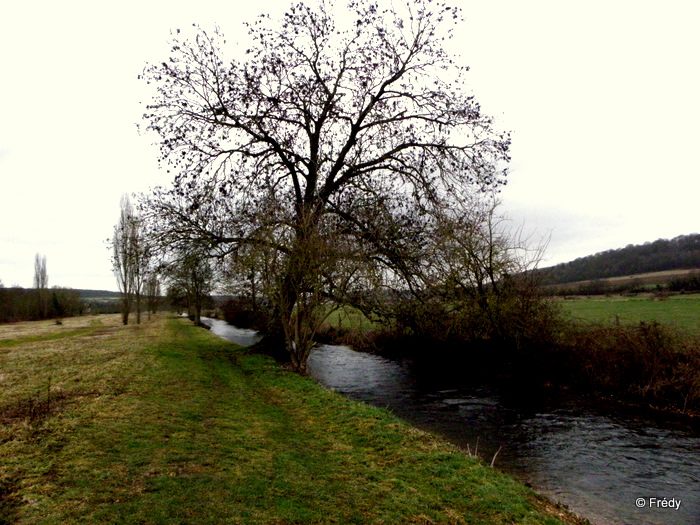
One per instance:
(680, 253)
(39, 302)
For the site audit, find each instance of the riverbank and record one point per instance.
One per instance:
(165, 423)
(595, 457)
(635, 361)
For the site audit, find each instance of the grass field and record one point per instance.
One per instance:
(166, 423)
(682, 311)
(349, 318)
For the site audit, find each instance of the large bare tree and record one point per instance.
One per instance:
(325, 143)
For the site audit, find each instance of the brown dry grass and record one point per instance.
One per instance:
(13, 331)
(55, 362)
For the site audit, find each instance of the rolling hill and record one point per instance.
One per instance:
(662, 255)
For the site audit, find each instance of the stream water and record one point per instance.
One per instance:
(240, 336)
(607, 463)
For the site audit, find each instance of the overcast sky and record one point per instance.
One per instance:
(601, 97)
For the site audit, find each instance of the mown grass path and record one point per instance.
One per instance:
(166, 423)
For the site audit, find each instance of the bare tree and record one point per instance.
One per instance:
(152, 293)
(190, 277)
(122, 257)
(475, 248)
(481, 268)
(141, 258)
(347, 133)
(131, 255)
(41, 283)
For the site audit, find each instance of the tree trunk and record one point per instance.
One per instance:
(138, 308)
(300, 291)
(253, 296)
(126, 308)
(198, 311)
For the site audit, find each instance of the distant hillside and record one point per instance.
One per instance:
(97, 294)
(101, 301)
(679, 253)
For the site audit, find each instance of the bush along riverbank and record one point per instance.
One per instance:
(648, 364)
(167, 423)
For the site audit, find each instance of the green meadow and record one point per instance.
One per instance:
(681, 311)
(166, 423)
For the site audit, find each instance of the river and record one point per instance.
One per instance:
(610, 464)
(240, 336)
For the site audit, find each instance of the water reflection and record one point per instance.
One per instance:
(597, 459)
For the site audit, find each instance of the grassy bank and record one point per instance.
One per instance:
(166, 423)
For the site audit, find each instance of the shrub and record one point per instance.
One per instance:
(690, 283)
(242, 313)
(648, 363)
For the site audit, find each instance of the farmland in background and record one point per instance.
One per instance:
(681, 311)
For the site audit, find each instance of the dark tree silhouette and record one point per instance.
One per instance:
(325, 145)
(190, 281)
